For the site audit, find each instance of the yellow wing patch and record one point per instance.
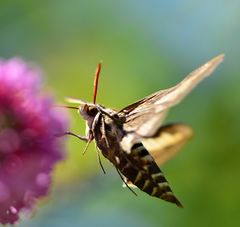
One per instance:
(167, 141)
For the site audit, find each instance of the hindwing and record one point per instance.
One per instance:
(167, 141)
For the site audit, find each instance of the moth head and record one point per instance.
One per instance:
(88, 111)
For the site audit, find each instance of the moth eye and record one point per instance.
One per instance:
(84, 108)
(92, 111)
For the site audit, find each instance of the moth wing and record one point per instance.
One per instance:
(145, 116)
(167, 141)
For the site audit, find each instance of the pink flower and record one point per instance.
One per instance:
(28, 144)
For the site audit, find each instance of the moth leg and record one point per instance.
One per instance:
(125, 182)
(86, 147)
(95, 121)
(94, 125)
(84, 138)
(129, 183)
(104, 133)
(99, 160)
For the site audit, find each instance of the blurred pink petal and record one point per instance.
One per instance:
(29, 147)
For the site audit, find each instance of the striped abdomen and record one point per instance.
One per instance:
(140, 168)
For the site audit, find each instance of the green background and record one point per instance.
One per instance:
(145, 46)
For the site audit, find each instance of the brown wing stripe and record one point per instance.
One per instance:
(127, 169)
(136, 145)
(139, 150)
(153, 169)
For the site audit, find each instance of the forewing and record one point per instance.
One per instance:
(167, 141)
(145, 116)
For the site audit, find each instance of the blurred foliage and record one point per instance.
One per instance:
(145, 46)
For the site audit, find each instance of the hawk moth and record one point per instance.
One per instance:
(134, 140)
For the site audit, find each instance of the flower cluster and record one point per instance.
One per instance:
(29, 146)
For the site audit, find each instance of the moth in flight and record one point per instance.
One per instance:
(134, 140)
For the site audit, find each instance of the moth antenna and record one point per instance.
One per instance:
(65, 106)
(95, 83)
(74, 101)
